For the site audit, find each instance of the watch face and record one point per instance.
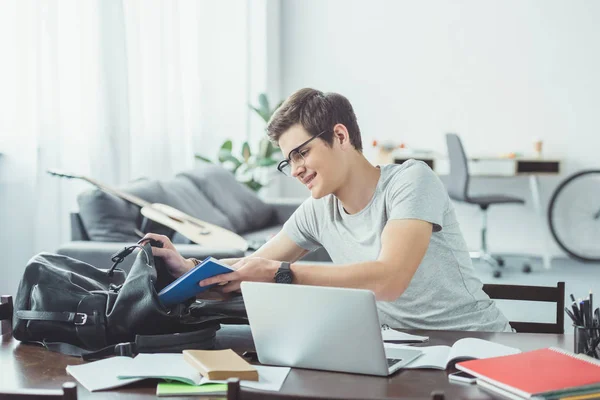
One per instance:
(283, 277)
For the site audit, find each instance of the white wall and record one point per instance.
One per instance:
(499, 73)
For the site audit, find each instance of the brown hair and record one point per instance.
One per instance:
(316, 112)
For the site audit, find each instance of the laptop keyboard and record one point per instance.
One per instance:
(392, 361)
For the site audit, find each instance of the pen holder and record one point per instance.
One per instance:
(587, 341)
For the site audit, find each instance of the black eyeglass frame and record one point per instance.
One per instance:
(288, 161)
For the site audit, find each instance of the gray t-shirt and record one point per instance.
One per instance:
(444, 293)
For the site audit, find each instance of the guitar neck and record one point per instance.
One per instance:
(123, 195)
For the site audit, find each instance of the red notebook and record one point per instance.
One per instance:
(536, 373)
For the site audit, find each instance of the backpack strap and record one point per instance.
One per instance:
(75, 318)
(203, 339)
(120, 255)
(75, 351)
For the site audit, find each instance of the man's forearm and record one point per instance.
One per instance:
(373, 275)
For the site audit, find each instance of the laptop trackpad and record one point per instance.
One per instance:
(406, 355)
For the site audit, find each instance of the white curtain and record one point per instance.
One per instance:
(113, 90)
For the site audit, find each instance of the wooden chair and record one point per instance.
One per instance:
(6, 313)
(68, 392)
(236, 392)
(533, 293)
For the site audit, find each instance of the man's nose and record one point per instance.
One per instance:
(297, 169)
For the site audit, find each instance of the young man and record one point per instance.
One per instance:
(390, 229)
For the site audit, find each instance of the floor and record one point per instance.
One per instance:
(579, 279)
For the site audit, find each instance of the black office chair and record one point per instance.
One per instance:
(236, 392)
(458, 189)
(6, 314)
(533, 293)
(68, 392)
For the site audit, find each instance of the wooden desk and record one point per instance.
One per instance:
(27, 366)
(492, 167)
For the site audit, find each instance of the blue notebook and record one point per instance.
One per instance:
(186, 285)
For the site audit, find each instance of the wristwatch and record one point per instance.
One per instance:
(284, 274)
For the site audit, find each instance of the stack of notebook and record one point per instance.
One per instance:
(546, 373)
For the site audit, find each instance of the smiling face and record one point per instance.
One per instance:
(320, 172)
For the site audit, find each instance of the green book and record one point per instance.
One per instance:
(164, 389)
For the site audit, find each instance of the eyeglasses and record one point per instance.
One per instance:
(296, 157)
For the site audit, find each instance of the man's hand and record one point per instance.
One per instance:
(246, 269)
(175, 263)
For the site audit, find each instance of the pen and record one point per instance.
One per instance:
(570, 314)
(585, 305)
(582, 315)
(572, 298)
(576, 313)
(591, 309)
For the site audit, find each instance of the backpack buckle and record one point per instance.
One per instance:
(80, 319)
(119, 256)
(125, 349)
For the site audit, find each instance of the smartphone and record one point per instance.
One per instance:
(462, 377)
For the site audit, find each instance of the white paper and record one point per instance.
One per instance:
(479, 348)
(120, 371)
(101, 375)
(162, 366)
(390, 335)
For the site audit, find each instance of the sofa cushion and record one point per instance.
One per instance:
(110, 219)
(245, 210)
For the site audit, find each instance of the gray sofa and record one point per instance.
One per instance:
(106, 224)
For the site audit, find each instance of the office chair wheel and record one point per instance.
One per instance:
(574, 215)
(497, 274)
(526, 268)
(500, 261)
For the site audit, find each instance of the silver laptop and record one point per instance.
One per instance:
(314, 327)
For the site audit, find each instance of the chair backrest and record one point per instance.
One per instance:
(458, 180)
(6, 314)
(236, 392)
(532, 293)
(68, 392)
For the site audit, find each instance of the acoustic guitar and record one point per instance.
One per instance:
(198, 231)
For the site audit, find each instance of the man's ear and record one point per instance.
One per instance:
(340, 135)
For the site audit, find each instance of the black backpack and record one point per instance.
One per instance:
(74, 308)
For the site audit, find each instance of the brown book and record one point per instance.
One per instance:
(220, 364)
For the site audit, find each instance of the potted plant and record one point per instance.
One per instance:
(252, 169)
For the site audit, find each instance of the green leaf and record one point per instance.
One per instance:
(227, 145)
(201, 157)
(225, 151)
(246, 153)
(271, 149)
(226, 156)
(243, 173)
(262, 113)
(254, 185)
(263, 148)
(263, 102)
